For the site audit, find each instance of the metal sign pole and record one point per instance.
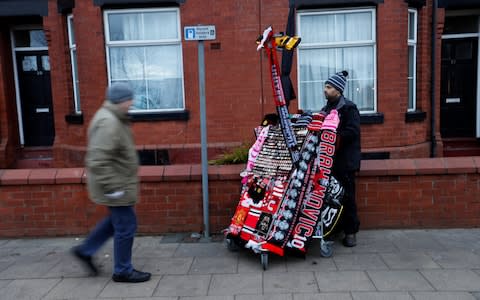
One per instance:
(203, 134)
(201, 33)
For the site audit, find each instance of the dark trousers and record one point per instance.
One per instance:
(349, 221)
(121, 223)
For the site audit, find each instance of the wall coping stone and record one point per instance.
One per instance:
(186, 172)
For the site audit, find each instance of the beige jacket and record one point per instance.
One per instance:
(111, 160)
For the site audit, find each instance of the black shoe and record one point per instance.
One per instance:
(349, 240)
(86, 261)
(135, 276)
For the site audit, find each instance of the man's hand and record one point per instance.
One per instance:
(115, 195)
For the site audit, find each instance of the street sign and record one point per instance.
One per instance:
(199, 33)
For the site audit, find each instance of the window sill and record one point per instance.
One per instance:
(74, 118)
(373, 118)
(160, 116)
(415, 116)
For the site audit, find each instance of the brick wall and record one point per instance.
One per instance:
(238, 89)
(397, 193)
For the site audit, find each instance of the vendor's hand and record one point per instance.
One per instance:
(115, 194)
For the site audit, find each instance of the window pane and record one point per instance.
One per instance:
(155, 72)
(339, 27)
(410, 93)
(411, 76)
(161, 25)
(30, 38)
(72, 32)
(76, 88)
(317, 65)
(127, 63)
(143, 26)
(411, 26)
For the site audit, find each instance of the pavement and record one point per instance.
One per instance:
(386, 264)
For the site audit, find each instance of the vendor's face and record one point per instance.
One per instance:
(124, 106)
(331, 93)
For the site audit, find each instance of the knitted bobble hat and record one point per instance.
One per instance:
(119, 92)
(338, 81)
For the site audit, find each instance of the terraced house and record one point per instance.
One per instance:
(413, 73)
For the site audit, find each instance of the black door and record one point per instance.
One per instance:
(458, 87)
(36, 97)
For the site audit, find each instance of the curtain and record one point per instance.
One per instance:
(154, 71)
(332, 42)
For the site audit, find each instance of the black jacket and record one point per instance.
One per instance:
(347, 155)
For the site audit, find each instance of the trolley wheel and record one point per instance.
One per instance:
(231, 245)
(264, 260)
(326, 249)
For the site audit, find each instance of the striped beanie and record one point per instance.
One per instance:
(338, 81)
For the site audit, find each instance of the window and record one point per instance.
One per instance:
(144, 50)
(73, 58)
(333, 41)
(412, 59)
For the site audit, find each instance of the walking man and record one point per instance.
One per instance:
(347, 155)
(111, 165)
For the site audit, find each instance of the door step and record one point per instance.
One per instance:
(461, 147)
(35, 158)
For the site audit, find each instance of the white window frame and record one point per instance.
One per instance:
(74, 68)
(413, 43)
(372, 42)
(176, 41)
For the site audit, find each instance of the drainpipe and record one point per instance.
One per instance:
(433, 144)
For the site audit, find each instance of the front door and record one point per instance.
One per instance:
(458, 87)
(35, 97)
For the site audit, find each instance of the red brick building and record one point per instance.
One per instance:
(57, 57)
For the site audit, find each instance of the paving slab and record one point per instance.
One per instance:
(323, 296)
(157, 298)
(235, 284)
(359, 261)
(399, 280)
(171, 266)
(154, 249)
(201, 250)
(442, 296)
(291, 282)
(373, 245)
(265, 297)
(310, 263)
(456, 259)
(207, 298)
(31, 267)
(183, 285)
(459, 239)
(214, 265)
(343, 281)
(416, 240)
(4, 283)
(409, 260)
(453, 280)
(27, 288)
(381, 296)
(79, 288)
(119, 289)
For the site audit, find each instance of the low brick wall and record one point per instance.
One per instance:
(396, 193)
